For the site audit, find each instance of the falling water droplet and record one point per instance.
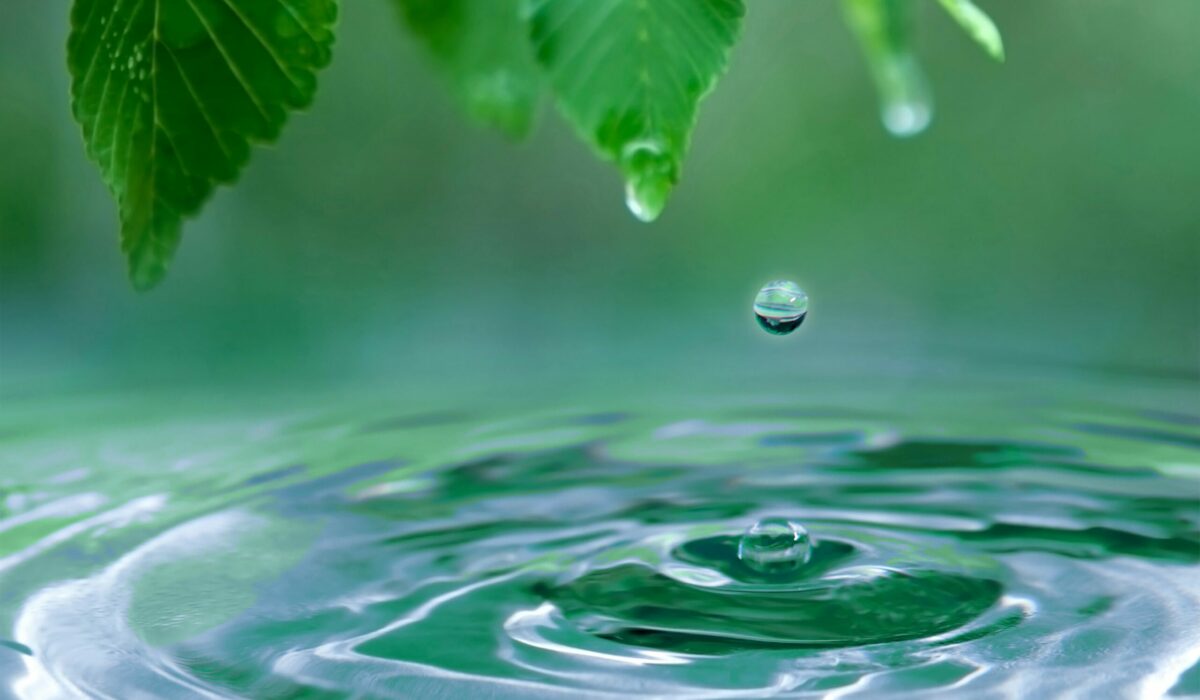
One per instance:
(780, 307)
(775, 545)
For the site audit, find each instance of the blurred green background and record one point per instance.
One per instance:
(1049, 216)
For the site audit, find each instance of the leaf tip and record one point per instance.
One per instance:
(978, 25)
(997, 51)
(515, 121)
(149, 249)
(145, 277)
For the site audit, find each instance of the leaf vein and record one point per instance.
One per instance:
(301, 23)
(199, 103)
(230, 63)
(104, 34)
(100, 110)
(263, 42)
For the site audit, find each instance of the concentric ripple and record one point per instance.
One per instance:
(955, 548)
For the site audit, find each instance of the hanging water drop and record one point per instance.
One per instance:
(780, 307)
(649, 175)
(907, 104)
(775, 545)
(906, 117)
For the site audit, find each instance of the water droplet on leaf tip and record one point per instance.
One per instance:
(780, 307)
(906, 117)
(775, 545)
(641, 207)
(649, 174)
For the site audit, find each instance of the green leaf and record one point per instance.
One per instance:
(977, 24)
(171, 93)
(484, 46)
(882, 27)
(628, 74)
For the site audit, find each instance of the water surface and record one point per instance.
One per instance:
(967, 539)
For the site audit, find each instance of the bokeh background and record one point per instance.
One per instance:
(1049, 217)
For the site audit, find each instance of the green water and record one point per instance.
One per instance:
(1022, 539)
